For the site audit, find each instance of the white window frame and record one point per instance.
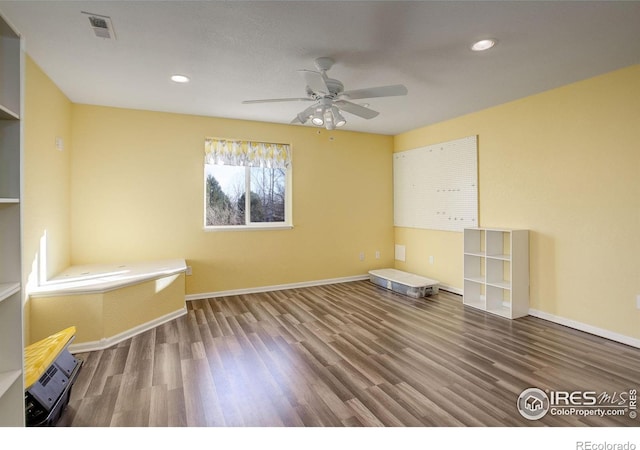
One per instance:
(248, 225)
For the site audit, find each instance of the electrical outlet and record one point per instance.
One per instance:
(189, 272)
(377, 254)
(430, 259)
(361, 256)
(638, 301)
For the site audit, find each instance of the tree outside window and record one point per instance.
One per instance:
(237, 193)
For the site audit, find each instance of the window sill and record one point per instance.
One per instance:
(257, 227)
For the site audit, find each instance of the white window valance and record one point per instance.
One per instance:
(247, 153)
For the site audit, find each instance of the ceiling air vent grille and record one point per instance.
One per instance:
(101, 25)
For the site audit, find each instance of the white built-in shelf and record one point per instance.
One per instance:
(12, 412)
(7, 114)
(8, 289)
(7, 379)
(496, 271)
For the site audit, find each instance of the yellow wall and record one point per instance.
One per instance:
(564, 164)
(137, 194)
(46, 199)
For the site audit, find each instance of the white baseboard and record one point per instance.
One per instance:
(633, 342)
(280, 287)
(108, 342)
(277, 287)
(454, 290)
(628, 340)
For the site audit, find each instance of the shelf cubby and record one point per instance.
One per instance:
(10, 76)
(9, 159)
(474, 268)
(475, 294)
(10, 243)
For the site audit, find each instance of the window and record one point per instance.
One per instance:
(247, 184)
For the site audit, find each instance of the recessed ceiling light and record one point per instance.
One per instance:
(482, 45)
(180, 78)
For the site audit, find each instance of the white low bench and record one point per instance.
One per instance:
(108, 303)
(404, 282)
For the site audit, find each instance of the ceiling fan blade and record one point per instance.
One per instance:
(315, 81)
(380, 91)
(273, 100)
(355, 109)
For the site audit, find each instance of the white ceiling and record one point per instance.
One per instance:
(241, 50)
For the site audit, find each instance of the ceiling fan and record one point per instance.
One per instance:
(329, 98)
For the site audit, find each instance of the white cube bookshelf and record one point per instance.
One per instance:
(496, 271)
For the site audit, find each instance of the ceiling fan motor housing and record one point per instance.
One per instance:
(324, 63)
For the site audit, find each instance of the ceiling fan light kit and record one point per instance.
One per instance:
(324, 114)
(330, 98)
(338, 120)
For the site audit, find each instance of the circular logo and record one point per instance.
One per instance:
(533, 404)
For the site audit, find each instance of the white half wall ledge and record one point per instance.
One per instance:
(108, 303)
(101, 278)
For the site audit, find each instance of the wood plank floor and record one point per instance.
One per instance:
(349, 354)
